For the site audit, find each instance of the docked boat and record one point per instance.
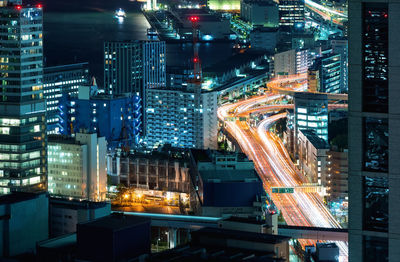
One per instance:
(120, 13)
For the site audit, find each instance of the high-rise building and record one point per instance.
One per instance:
(22, 106)
(132, 66)
(291, 14)
(61, 83)
(179, 118)
(374, 126)
(340, 46)
(311, 112)
(77, 166)
(329, 66)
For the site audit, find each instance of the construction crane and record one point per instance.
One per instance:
(195, 84)
(196, 60)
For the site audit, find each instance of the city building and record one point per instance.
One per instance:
(264, 38)
(260, 13)
(159, 173)
(313, 80)
(218, 244)
(132, 66)
(291, 14)
(66, 213)
(217, 177)
(182, 118)
(23, 139)
(24, 221)
(77, 166)
(291, 62)
(374, 227)
(61, 83)
(113, 238)
(312, 153)
(224, 5)
(211, 26)
(329, 66)
(118, 118)
(337, 176)
(311, 112)
(340, 46)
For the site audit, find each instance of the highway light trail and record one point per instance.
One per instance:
(273, 163)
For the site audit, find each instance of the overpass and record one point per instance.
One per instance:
(174, 222)
(316, 233)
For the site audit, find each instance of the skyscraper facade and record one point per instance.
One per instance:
(61, 83)
(22, 106)
(291, 14)
(132, 66)
(311, 112)
(374, 124)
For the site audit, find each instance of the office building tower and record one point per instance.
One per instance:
(291, 14)
(60, 84)
(340, 46)
(311, 112)
(329, 66)
(115, 117)
(77, 166)
(132, 66)
(374, 126)
(22, 106)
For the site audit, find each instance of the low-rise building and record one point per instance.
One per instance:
(66, 213)
(217, 177)
(24, 220)
(77, 166)
(113, 238)
(165, 170)
(264, 38)
(217, 244)
(264, 13)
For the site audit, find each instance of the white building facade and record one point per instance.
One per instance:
(77, 167)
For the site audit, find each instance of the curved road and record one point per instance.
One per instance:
(274, 165)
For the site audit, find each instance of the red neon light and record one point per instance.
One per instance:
(18, 7)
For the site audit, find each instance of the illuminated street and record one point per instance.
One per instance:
(273, 162)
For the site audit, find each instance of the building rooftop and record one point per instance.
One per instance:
(202, 155)
(228, 175)
(62, 139)
(16, 197)
(196, 253)
(62, 68)
(240, 235)
(60, 242)
(76, 204)
(116, 221)
(314, 139)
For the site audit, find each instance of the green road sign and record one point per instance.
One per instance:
(283, 190)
